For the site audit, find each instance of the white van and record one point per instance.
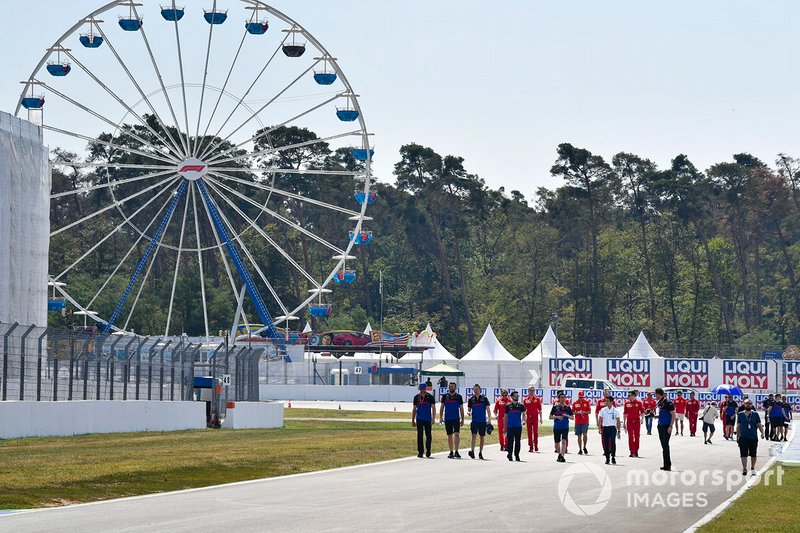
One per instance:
(589, 384)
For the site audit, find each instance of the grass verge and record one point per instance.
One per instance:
(748, 512)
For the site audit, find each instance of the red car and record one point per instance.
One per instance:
(340, 338)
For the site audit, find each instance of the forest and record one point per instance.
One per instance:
(702, 260)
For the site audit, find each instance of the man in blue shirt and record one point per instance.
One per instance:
(481, 413)
(561, 414)
(451, 413)
(515, 418)
(776, 417)
(421, 417)
(666, 419)
(747, 422)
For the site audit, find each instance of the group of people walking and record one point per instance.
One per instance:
(512, 415)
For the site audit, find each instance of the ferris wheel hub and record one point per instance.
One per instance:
(192, 169)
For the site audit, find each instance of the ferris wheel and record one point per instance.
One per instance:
(220, 141)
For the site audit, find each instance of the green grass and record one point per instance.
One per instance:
(767, 509)
(333, 413)
(44, 472)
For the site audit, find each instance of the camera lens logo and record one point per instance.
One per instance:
(582, 470)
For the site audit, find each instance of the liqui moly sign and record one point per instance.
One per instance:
(686, 373)
(563, 369)
(628, 372)
(745, 374)
(793, 375)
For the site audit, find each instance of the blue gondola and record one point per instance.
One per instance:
(344, 277)
(130, 24)
(58, 69)
(91, 40)
(33, 102)
(294, 50)
(320, 310)
(363, 237)
(325, 78)
(347, 115)
(256, 28)
(216, 17)
(173, 14)
(361, 155)
(361, 198)
(56, 305)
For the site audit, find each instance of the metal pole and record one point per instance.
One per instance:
(139, 364)
(22, 364)
(71, 362)
(110, 363)
(85, 355)
(126, 369)
(5, 358)
(98, 350)
(39, 366)
(161, 377)
(163, 349)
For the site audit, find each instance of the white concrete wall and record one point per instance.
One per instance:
(265, 415)
(353, 393)
(44, 419)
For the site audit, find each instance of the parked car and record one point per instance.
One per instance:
(340, 338)
(595, 384)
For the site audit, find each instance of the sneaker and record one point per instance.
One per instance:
(631, 455)
(428, 453)
(480, 456)
(530, 450)
(471, 454)
(580, 452)
(509, 458)
(585, 451)
(536, 449)
(607, 460)
(419, 455)
(458, 455)
(451, 456)
(665, 468)
(753, 472)
(561, 459)
(709, 441)
(744, 472)
(517, 459)
(613, 460)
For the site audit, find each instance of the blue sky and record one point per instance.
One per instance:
(502, 83)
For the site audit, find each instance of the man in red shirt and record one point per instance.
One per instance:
(649, 405)
(680, 412)
(500, 413)
(533, 414)
(692, 410)
(581, 409)
(633, 412)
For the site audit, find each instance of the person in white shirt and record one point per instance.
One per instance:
(710, 413)
(609, 420)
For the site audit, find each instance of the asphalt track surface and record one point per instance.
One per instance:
(438, 493)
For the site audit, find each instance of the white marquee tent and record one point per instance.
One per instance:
(549, 347)
(641, 349)
(489, 349)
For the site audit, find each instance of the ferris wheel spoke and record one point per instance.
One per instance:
(287, 194)
(104, 119)
(200, 261)
(114, 183)
(262, 108)
(205, 80)
(266, 237)
(246, 251)
(173, 143)
(216, 160)
(241, 100)
(91, 140)
(115, 230)
(277, 216)
(105, 87)
(184, 141)
(270, 170)
(130, 250)
(169, 180)
(267, 131)
(177, 265)
(183, 79)
(85, 164)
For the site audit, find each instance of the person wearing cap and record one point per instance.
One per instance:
(633, 411)
(581, 408)
(776, 414)
(729, 407)
(561, 414)
(421, 418)
(649, 405)
(766, 405)
(680, 412)
(515, 417)
(533, 417)
(710, 413)
(692, 410)
(747, 422)
(609, 429)
(500, 413)
(666, 421)
(451, 412)
(481, 413)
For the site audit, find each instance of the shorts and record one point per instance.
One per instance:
(730, 420)
(452, 426)
(680, 416)
(708, 427)
(776, 421)
(581, 429)
(477, 428)
(748, 447)
(561, 434)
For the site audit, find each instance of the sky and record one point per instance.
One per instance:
(502, 83)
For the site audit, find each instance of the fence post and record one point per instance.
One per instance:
(139, 364)
(5, 358)
(85, 353)
(22, 363)
(39, 365)
(126, 368)
(161, 377)
(110, 370)
(150, 358)
(99, 341)
(71, 363)
(183, 366)
(194, 354)
(171, 371)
